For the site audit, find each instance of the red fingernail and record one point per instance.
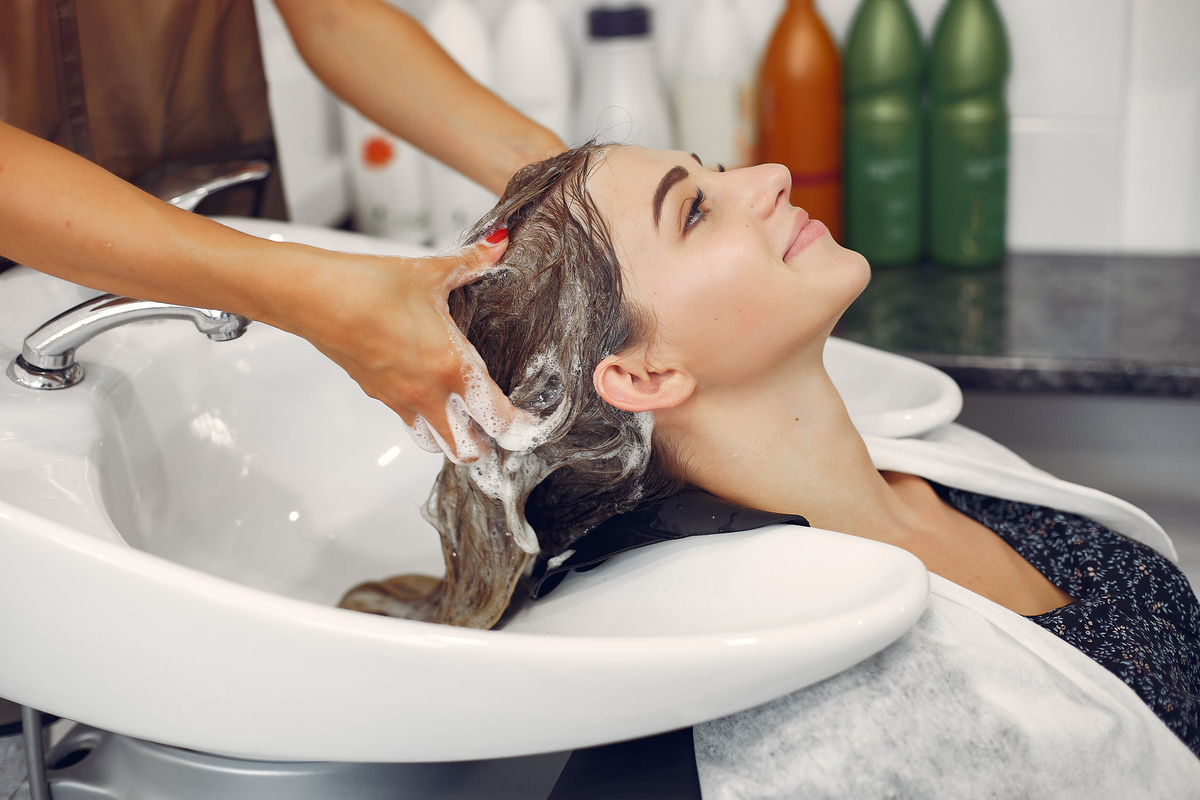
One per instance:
(497, 236)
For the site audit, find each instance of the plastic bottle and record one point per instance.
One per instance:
(969, 64)
(457, 201)
(882, 66)
(533, 64)
(389, 179)
(800, 111)
(714, 93)
(622, 97)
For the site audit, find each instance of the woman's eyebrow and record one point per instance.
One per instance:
(674, 175)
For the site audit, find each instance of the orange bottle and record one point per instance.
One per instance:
(800, 112)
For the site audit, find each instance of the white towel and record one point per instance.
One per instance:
(964, 459)
(975, 701)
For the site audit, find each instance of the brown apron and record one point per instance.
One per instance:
(142, 87)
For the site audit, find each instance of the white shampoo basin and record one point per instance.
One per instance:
(175, 530)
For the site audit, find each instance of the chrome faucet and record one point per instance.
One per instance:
(47, 359)
(187, 188)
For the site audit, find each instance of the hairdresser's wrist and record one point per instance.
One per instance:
(293, 287)
(529, 143)
(538, 145)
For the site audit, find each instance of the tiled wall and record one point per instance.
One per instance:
(1105, 100)
(1160, 196)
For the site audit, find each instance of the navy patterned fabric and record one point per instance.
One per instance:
(1134, 612)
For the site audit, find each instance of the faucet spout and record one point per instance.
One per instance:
(47, 359)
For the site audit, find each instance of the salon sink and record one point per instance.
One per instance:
(175, 530)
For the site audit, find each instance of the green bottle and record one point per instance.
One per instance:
(969, 64)
(882, 67)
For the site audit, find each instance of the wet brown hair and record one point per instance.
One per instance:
(542, 322)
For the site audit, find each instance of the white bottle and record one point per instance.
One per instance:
(389, 179)
(622, 97)
(457, 201)
(533, 64)
(714, 94)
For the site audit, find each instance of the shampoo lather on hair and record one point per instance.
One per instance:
(622, 97)
(969, 65)
(714, 92)
(881, 75)
(457, 201)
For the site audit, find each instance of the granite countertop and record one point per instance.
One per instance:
(1044, 323)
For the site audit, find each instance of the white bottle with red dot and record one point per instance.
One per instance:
(389, 182)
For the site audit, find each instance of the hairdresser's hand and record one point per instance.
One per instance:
(386, 322)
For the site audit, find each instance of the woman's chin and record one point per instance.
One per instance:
(857, 272)
(866, 272)
(860, 260)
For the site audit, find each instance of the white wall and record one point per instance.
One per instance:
(1105, 101)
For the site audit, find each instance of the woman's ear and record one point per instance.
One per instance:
(628, 382)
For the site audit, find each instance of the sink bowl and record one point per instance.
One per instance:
(175, 530)
(890, 395)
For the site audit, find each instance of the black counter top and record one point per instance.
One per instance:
(1044, 323)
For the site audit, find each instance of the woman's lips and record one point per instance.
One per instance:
(806, 232)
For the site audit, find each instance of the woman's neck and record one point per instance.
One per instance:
(788, 447)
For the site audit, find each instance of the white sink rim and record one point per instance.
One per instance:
(256, 708)
(931, 398)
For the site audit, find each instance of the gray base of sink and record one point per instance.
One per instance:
(91, 764)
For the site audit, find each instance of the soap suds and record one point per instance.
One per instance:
(540, 320)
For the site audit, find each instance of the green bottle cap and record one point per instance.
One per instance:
(883, 48)
(970, 51)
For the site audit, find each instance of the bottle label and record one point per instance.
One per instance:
(389, 182)
(984, 169)
(883, 190)
(968, 191)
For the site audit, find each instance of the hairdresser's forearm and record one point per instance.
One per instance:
(67, 217)
(383, 63)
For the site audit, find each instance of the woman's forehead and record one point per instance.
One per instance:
(624, 178)
(624, 164)
(628, 185)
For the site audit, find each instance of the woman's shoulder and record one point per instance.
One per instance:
(1134, 612)
(959, 457)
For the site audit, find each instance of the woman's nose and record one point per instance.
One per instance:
(769, 186)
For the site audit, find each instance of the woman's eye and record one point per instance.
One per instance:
(696, 211)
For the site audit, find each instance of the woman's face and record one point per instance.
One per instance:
(738, 280)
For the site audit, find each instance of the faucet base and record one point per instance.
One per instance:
(29, 376)
(47, 359)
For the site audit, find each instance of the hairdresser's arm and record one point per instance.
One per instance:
(382, 62)
(382, 319)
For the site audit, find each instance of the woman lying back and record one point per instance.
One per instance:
(642, 292)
